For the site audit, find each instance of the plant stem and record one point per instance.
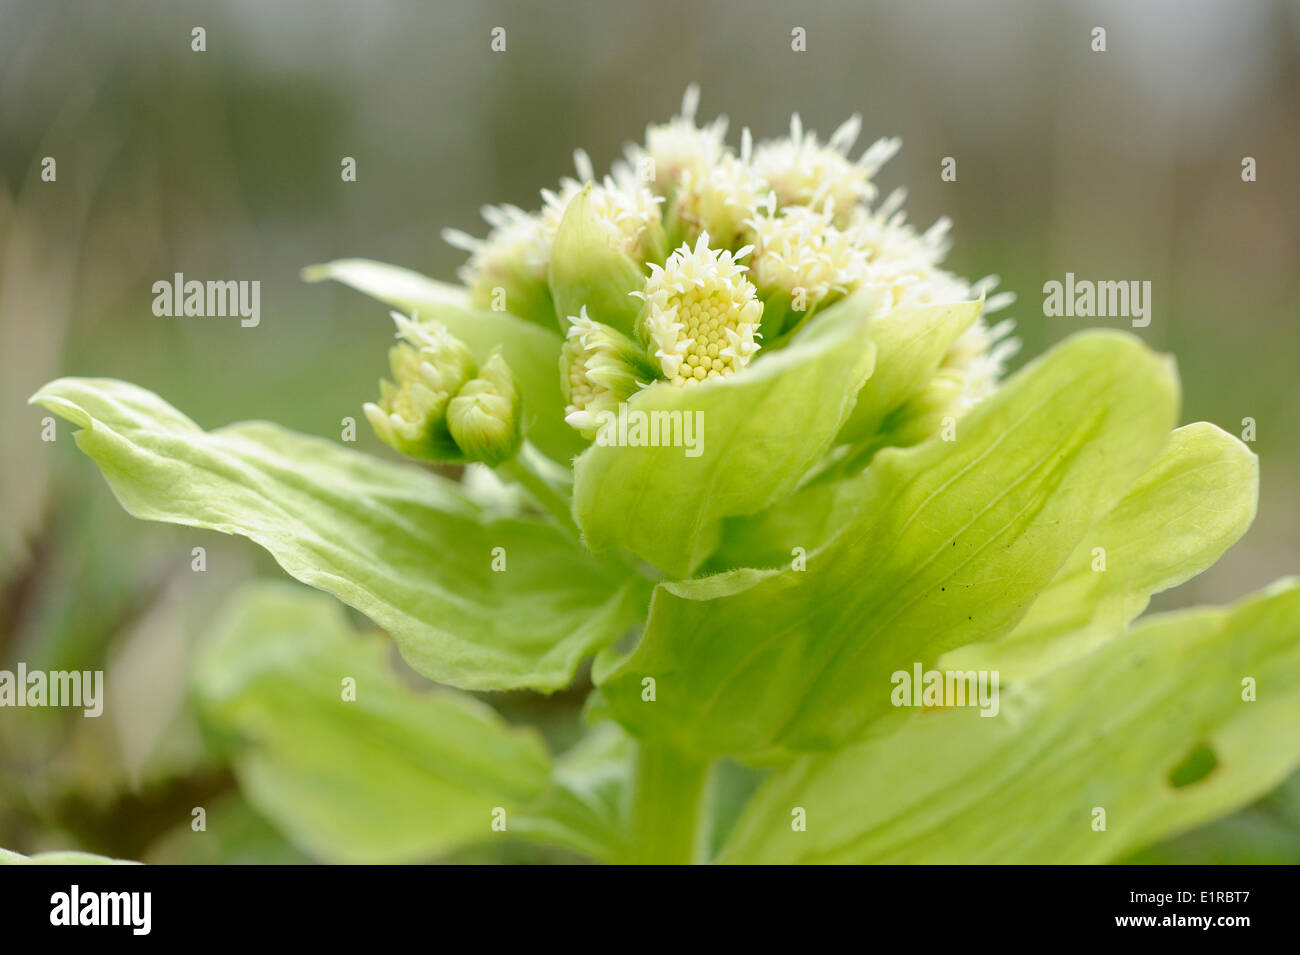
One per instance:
(553, 493)
(529, 468)
(523, 468)
(668, 811)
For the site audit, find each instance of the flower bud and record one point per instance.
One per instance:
(801, 263)
(721, 200)
(507, 270)
(677, 147)
(599, 368)
(429, 367)
(803, 171)
(597, 254)
(484, 418)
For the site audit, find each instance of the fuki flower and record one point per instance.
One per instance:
(701, 314)
(441, 405)
(721, 199)
(798, 210)
(803, 171)
(429, 367)
(677, 147)
(599, 368)
(627, 212)
(508, 268)
(800, 254)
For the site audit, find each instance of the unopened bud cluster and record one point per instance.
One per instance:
(441, 404)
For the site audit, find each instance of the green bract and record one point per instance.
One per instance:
(949, 544)
(760, 462)
(761, 432)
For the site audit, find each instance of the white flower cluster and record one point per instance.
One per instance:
(799, 211)
(520, 242)
(702, 314)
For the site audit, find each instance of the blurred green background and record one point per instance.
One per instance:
(225, 164)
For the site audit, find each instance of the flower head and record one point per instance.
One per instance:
(599, 368)
(721, 199)
(678, 147)
(510, 262)
(701, 314)
(799, 204)
(627, 212)
(904, 263)
(510, 268)
(802, 171)
(799, 253)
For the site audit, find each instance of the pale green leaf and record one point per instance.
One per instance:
(950, 543)
(533, 352)
(1190, 506)
(761, 431)
(583, 808)
(1152, 728)
(398, 543)
(910, 343)
(391, 775)
(401, 288)
(799, 524)
(235, 834)
(1266, 832)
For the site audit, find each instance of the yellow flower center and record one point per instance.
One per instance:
(581, 390)
(704, 316)
(701, 314)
